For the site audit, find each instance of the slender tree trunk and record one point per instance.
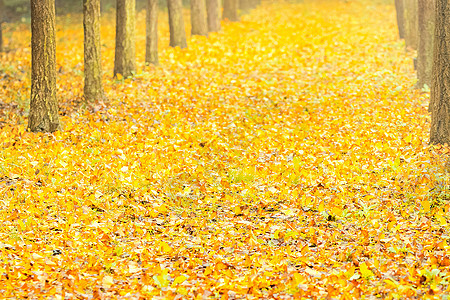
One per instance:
(230, 10)
(213, 12)
(400, 18)
(411, 24)
(125, 59)
(246, 5)
(440, 89)
(1, 37)
(426, 19)
(93, 89)
(176, 24)
(43, 104)
(199, 25)
(2, 9)
(151, 34)
(255, 3)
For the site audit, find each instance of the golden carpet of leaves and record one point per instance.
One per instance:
(283, 157)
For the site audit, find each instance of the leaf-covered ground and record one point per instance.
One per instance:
(285, 156)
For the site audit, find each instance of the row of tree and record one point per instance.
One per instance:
(43, 117)
(425, 26)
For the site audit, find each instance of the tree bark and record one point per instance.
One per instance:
(43, 104)
(2, 9)
(199, 25)
(125, 59)
(213, 15)
(400, 18)
(230, 10)
(93, 89)
(247, 5)
(426, 17)
(440, 89)
(151, 34)
(411, 24)
(176, 24)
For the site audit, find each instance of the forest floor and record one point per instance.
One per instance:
(285, 156)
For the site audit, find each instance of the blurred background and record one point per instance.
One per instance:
(15, 10)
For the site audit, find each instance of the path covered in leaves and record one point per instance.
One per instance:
(285, 156)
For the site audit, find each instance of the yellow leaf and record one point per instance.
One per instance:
(426, 205)
(365, 272)
(187, 191)
(133, 267)
(313, 272)
(162, 209)
(336, 211)
(321, 207)
(165, 247)
(182, 291)
(442, 220)
(237, 210)
(408, 138)
(207, 271)
(350, 272)
(107, 281)
(298, 278)
(36, 256)
(288, 212)
(178, 280)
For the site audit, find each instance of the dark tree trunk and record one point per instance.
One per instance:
(125, 59)
(230, 10)
(176, 24)
(199, 25)
(440, 89)
(411, 24)
(151, 34)
(93, 89)
(400, 18)
(43, 104)
(426, 42)
(213, 12)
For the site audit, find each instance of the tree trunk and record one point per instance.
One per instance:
(43, 104)
(2, 9)
(93, 89)
(230, 10)
(1, 37)
(213, 12)
(151, 34)
(440, 89)
(125, 60)
(400, 18)
(426, 19)
(176, 24)
(247, 5)
(411, 24)
(199, 25)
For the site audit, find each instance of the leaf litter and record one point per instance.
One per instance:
(284, 157)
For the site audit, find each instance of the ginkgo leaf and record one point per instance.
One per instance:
(365, 271)
(108, 281)
(165, 248)
(313, 272)
(426, 205)
(133, 267)
(180, 279)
